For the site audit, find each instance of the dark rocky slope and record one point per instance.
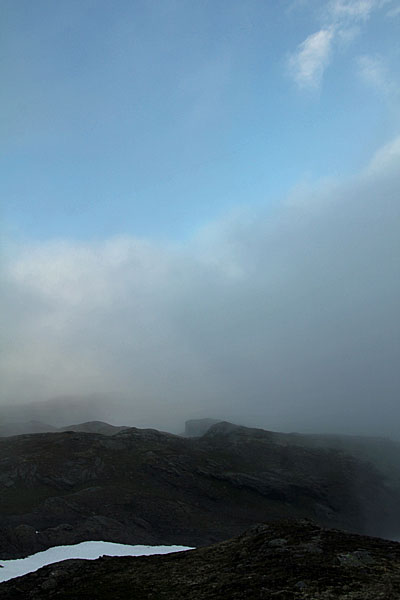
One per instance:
(382, 453)
(283, 560)
(144, 486)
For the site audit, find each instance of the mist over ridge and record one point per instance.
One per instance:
(286, 321)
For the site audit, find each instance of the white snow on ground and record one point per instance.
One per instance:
(87, 550)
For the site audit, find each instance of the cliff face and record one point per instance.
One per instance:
(289, 560)
(144, 486)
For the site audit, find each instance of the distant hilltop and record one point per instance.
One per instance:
(198, 427)
(28, 427)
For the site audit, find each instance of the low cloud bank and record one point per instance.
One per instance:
(285, 321)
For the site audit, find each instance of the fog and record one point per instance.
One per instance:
(285, 319)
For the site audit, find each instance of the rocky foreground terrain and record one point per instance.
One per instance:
(282, 560)
(148, 487)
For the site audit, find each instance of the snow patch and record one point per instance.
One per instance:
(85, 550)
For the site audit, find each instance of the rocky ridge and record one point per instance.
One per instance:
(149, 487)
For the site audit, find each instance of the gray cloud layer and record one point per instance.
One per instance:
(287, 321)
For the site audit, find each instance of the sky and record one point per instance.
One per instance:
(200, 210)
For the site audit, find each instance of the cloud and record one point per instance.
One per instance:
(374, 72)
(287, 321)
(342, 23)
(307, 65)
(353, 9)
(386, 158)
